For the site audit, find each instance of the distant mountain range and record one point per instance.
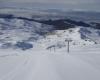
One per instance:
(23, 32)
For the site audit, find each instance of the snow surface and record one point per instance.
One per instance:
(38, 64)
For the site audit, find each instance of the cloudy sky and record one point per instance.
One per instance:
(71, 4)
(55, 1)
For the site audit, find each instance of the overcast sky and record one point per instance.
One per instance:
(55, 1)
(77, 4)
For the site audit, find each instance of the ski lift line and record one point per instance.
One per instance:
(83, 50)
(68, 44)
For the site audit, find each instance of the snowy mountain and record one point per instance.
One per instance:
(18, 30)
(24, 33)
(78, 36)
(36, 49)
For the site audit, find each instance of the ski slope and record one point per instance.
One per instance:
(38, 64)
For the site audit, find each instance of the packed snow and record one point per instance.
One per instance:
(39, 64)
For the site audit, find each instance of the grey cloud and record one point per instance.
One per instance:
(69, 4)
(54, 1)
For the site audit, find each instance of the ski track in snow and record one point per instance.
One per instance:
(45, 65)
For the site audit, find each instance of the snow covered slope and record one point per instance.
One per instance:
(20, 30)
(14, 30)
(78, 36)
(83, 64)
